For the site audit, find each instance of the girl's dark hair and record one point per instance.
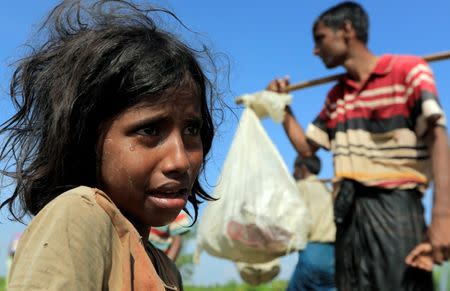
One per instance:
(336, 16)
(97, 60)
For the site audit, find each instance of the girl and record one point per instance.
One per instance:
(112, 127)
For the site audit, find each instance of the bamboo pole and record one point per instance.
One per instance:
(305, 84)
(429, 58)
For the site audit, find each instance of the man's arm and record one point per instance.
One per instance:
(293, 129)
(175, 247)
(439, 232)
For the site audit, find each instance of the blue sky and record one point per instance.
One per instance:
(262, 40)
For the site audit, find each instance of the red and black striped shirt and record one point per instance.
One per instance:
(376, 130)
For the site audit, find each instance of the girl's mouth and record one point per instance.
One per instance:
(174, 198)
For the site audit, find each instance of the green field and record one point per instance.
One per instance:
(233, 286)
(276, 285)
(441, 278)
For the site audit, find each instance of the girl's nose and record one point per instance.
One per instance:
(176, 159)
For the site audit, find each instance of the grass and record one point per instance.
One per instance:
(233, 286)
(441, 277)
(441, 280)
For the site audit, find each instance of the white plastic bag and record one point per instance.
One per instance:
(257, 274)
(260, 215)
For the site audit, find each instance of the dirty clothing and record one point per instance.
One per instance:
(376, 230)
(81, 241)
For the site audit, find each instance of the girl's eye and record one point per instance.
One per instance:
(193, 128)
(148, 131)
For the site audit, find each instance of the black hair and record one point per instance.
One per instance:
(97, 60)
(312, 163)
(336, 16)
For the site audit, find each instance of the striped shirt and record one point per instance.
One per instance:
(161, 237)
(376, 130)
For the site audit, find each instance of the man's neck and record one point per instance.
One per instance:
(360, 63)
(306, 175)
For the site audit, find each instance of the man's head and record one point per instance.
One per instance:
(304, 167)
(335, 28)
(336, 16)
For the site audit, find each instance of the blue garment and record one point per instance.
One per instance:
(315, 269)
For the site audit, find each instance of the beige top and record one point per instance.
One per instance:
(81, 241)
(320, 204)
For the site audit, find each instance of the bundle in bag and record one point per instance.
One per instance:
(260, 215)
(257, 274)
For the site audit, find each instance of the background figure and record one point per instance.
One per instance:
(168, 238)
(11, 252)
(315, 266)
(386, 129)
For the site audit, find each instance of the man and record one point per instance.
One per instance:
(386, 129)
(315, 267)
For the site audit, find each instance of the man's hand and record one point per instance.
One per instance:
(420, 257)
(293, 129)
(439, 235)
(439, 231)
(279, 85)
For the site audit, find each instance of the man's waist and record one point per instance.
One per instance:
(387, 182)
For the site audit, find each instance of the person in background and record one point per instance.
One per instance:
(315, 266)
(168, 238)
(11, 252)
(387, 131)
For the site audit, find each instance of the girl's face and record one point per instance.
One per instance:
(151, 155)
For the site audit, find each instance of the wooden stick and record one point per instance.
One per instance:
(429, 58)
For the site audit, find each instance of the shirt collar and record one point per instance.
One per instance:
(311, 177)
(383, 67)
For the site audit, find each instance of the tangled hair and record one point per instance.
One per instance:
(336, 16)
(97, 60)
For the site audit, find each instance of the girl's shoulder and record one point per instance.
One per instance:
(75, 209)
(74, 203)
(67, 242)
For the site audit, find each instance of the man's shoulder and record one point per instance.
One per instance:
(408, 58)
(336, 91)
(310, 180)
(406, 62)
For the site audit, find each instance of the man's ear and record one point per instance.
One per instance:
(304, 170)
(349, 30)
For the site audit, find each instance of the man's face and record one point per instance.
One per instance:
(330, 45)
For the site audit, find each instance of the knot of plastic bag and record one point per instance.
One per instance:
(267, 103)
